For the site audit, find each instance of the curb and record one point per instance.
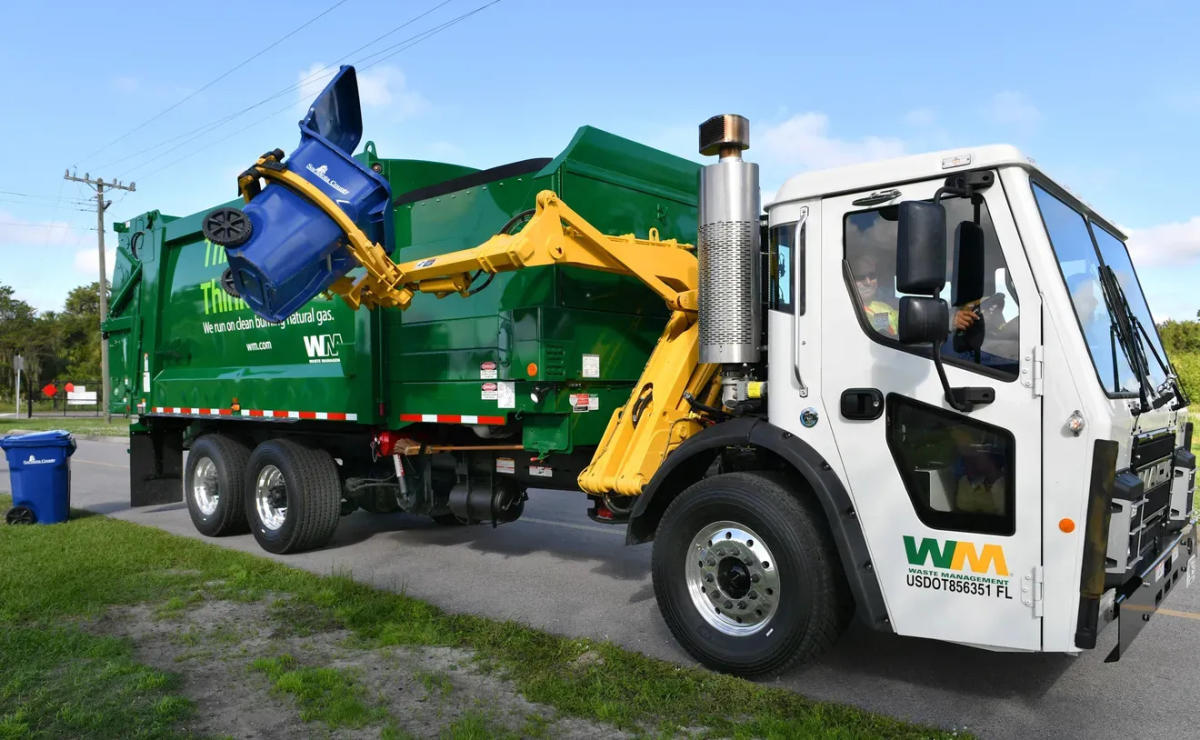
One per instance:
(85, 437)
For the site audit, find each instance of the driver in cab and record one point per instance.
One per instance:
(881, 315)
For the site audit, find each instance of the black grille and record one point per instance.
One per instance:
(1151, 447)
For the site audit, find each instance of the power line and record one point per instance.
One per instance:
(295, 86)
(32, 196)
(391, 51)
(218, 78)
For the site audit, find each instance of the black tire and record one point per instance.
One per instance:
(808, 603)
(20, 515)
(216, 462)
(301, 493)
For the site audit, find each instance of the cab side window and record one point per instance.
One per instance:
(785, 267)
(959, 472)
(984, 332)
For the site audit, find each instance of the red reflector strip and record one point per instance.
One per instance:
(255, 413)
(454, 419)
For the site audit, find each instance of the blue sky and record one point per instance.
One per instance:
(1105, 97)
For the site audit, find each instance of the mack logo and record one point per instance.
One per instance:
(34, 461)
(320, 172)
(322, 347)
(952, 555)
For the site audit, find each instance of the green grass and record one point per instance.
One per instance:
(92, 563)
(327, 695)
(476, 725)
(62, 682)
(436, 683)
(92, 426)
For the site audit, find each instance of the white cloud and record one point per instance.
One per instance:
(387, 87)
(804, 141)
(1013, 108)
(1174, 243)
(88, 263)
(920, 117)
(383, 87)
(16, 231)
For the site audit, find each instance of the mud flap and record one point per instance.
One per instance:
(156, 467)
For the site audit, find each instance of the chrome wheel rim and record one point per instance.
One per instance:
(205, 489)
(270, 497)
(732, 578)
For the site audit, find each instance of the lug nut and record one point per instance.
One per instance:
(728, 604)
(708, 577)
(741, 605)
(710, 562)
(753, 595)
(754, 577)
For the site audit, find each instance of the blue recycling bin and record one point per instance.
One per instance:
(39, 467)
(294, 251)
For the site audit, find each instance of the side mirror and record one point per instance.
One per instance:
(968, 264)
(923, 320)
(921, 248)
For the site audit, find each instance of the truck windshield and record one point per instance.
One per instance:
(1082, 247)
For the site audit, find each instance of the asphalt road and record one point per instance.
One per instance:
(556, 570)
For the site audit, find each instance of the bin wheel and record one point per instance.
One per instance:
(213, 485)
(293, 496)
(227, 227)
(20, 515)
(747, 576)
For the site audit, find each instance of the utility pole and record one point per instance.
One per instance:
(18, 365)
(101, 205)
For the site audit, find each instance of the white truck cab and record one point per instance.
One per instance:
(1044, 483)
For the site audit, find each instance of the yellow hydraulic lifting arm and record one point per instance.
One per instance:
(658, 416)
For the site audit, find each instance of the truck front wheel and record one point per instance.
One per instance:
(293, 496)
(747, 576)
(213, 485)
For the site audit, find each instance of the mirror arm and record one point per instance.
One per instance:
(964, 406)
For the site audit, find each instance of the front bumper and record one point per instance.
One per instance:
(1133, 603)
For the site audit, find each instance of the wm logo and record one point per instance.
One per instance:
(951, 555)
(322, 347)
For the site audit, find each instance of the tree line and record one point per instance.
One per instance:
(61, 346)
(1181, 340)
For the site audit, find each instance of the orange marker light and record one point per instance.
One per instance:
(1066, 525)
(531, 369)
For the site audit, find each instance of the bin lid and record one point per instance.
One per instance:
(60, 437)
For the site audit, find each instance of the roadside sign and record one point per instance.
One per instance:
(69, 387)
(49, 389)
(18, 363)
(78, 395)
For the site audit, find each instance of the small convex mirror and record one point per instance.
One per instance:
(923, 320)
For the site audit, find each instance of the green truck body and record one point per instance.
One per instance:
(184, 351)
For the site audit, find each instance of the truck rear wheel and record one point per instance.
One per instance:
(213, 485)
(747, 576)
(293, 496)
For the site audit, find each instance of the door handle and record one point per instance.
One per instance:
(862, 404)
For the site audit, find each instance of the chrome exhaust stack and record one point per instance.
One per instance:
(728, 246)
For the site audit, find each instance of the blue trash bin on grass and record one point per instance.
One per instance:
(39, 467)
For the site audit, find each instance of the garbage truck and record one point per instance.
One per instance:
(926, 393)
